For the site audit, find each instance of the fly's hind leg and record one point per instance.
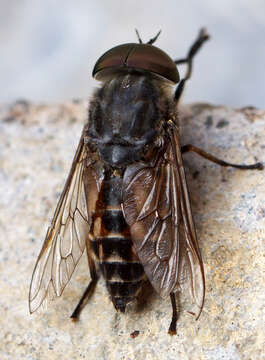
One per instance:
(89, 290)
(173, 325)
(205, 155)
(202, 37)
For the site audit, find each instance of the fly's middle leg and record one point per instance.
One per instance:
(210, 157)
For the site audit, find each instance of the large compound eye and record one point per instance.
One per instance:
(136, 56)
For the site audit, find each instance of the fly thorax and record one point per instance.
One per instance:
(125, 119)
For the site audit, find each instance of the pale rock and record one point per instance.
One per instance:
(36, 149)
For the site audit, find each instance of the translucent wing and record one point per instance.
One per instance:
(191, 266)
(65, 239)
(157, 208)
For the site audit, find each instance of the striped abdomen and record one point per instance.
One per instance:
(112, 245)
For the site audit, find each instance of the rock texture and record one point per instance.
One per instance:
(37, 144)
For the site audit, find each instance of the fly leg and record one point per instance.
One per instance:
(202, 37)
(173, 325)
(189, 147)
(89, 290)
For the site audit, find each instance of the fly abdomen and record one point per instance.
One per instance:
(126, 271)
(113, 248)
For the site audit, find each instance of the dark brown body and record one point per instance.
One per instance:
(111, 244)
(119, 135)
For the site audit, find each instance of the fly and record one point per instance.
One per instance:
(125, 201)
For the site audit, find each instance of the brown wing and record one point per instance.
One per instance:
(157, 208)
(66, 237)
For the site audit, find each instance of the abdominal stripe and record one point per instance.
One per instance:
(113, 248)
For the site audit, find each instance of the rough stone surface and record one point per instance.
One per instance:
(37, 144)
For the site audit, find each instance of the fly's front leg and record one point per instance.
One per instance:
(205, 155)
(202, 37)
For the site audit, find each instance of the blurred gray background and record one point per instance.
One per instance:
(49, 48)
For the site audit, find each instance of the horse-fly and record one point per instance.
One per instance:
(126, 199)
